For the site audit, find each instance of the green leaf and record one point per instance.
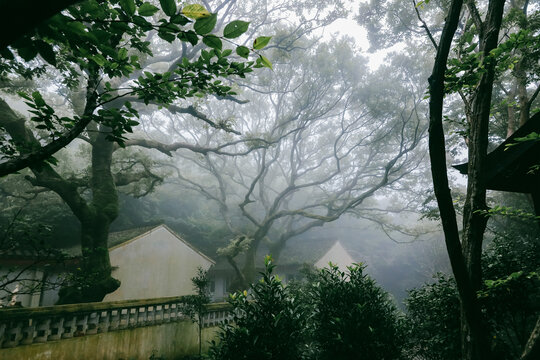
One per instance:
(27, 52)
(128, 6)
(76, 28)
(469, 37)
(168, 7)
(24, 95)
(265, 62)
(46, 51)
(213, 41)
(242, 51)
(179, 19)
(189, 36)
(122, 54)
(195, 11)
(261, 42)
(147, 9)
(38, 99)
(142, 23)
(167, 36)
(98, 59)
(235, 28)
(205, 25)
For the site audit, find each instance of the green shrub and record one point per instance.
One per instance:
(352, 317)
(510, 298)
(267, 323)
(433, 321)
(335, 315)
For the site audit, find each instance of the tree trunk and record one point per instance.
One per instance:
(523, 97)
(474, 335)
(465, 258)
(532, 348)
(94, 280)
(511, 110)
(95, 224)
(249, 270)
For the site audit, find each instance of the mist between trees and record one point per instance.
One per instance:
(246, 130)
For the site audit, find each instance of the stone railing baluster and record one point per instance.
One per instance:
(42, 330)
(69, 326)
(124, 318)
(133, 317)
(24, 326)
(57, 329)
(27, 332)
(81, 325)
(115, 320)
(104, 321)
(174, 312)
(141, 316)
(158, 314)
(13, 334)
(167, 313)
(93, 320)
(150, 315)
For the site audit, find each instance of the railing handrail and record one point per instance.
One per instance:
(60, 310)
(38, 325)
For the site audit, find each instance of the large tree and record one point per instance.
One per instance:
(100, 55)
(333, 143)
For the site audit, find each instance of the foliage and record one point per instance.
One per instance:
(511, 292)
(22, 237)
(433, 321)
(509, 299)
(195, 305)
(99, 57)
(352, 316)
(109, 40)
(335, 314)
(267, 323)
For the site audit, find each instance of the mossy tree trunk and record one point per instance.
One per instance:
(93, 281)
(96, 281)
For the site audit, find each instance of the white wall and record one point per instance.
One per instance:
(33, 276)
(154, 265)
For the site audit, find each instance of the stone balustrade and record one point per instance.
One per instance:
(39, 325)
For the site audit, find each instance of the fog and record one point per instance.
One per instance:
(327, 146)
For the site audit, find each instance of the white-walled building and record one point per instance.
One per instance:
(150, 263)
(157, 263)
(337, 255)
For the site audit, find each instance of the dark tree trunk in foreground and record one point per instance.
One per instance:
(474, 218)
(532, 348)
(465, 255)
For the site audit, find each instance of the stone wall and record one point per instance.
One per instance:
(125, 330)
